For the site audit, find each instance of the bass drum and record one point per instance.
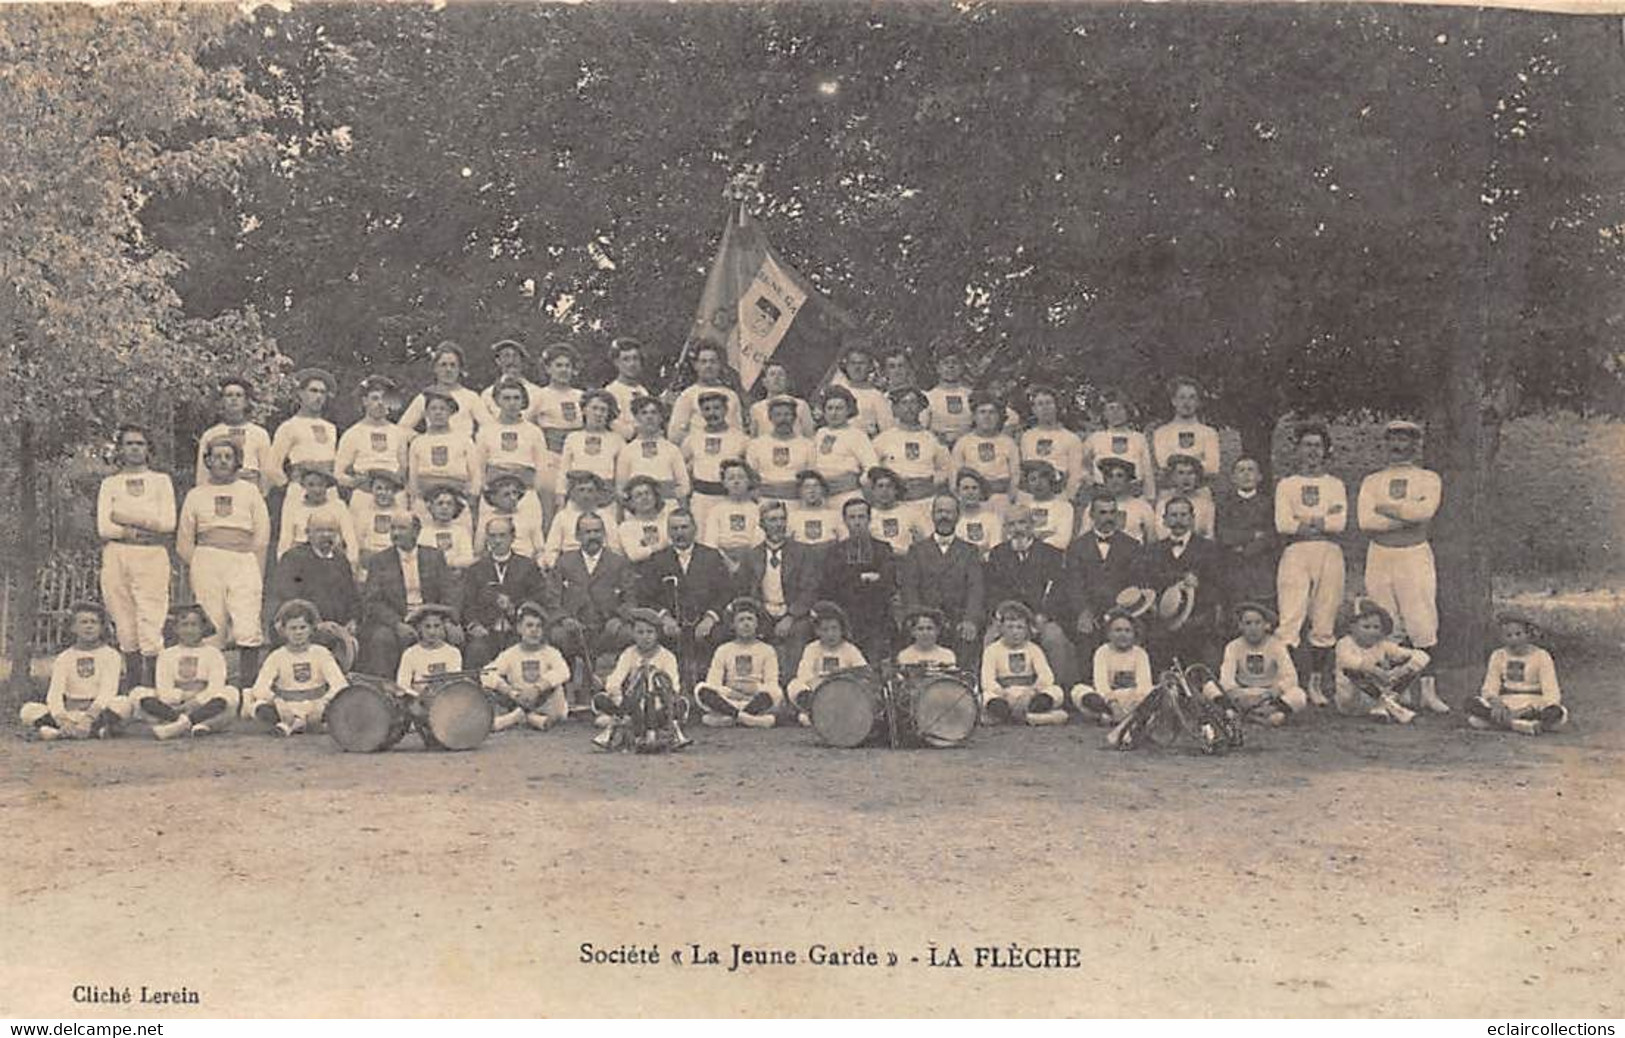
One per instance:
(369, 716)
(933, 706)
(849, 708)
(454, 712)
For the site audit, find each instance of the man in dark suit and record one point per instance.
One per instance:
(860, 575)
(1024, 569)
(1192, 564)
(944, 573)
(399, 579)
(595, 590)
(318, 572)
(1100, 563)
(690, 585)
(783, 575)
(493, 589)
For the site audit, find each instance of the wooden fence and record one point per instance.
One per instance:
(68, 577)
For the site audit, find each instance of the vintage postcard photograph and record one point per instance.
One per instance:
(812, 509)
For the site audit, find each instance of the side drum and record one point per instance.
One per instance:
(849, 708)
(369, 716)
(454, 713)
(933, 706)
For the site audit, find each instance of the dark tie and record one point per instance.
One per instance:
(773, 559)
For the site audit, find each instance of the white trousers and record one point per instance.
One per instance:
(135, 589)
(1404, 582)
(1309, 585)
(230, 588)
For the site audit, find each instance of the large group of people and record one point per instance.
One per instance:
(557, 539)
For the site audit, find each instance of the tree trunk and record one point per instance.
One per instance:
(25, 568)
(1461, 446)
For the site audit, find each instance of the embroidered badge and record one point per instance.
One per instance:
(380, 441)
(530, 671)
(222, 506)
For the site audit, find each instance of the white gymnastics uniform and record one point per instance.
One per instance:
(1016, 674)
(302, 440)
(819, 662)
(253, 444)
(84, 682)
(1131, 446)
(1062, 448)
(135, 575)
(777, 463)
(299, 684)
(188, 679)
(739, 671)
(223, 533)
(534, 678)
(1251, 673)
(1191, 438)
(1309, 580)
(369, 446)
(660, 460)
(1399, 568)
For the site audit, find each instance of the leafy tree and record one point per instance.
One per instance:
(1318, 210)
(105, 110)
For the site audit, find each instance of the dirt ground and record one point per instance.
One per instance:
(1338, 868)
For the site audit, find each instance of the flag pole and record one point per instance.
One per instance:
(736, 220)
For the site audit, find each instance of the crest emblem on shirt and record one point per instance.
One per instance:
(135, 487)
(380, 523)
(984, 452)
(781, 456)
(301, 672)
(1255, 663)
(222, 506)
(437, 668)
(1398, 487)
(826, 445)
(318, 433)
(1040, 516)
(651, 535)
(888, 528)
(743, 666)
(1046, 446)
(510, 441)
(974, 533)
(1122, 679)
(1310, 495)
(713, 444)
(439, 457)
(1515, 670)
(736, 523)
(235, 434)
(187, 668)
(1018, 662)
(595, 445)
(530, 671)
(815, 529)
(1187, 440)
(568, 408)
(956, 404)
(442, 540)
(379, 441)
(85, 666)
(651, 448)
(1119, 444)
(830, 664)
(911, 451)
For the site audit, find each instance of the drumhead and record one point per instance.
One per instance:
(460, 714)
(845, 708)
(364, 719)
(944, 711)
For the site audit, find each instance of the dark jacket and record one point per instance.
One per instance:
(1202, 558)
(951, 582)
(1091, 584)
(383, 599)
(521, 581)
(867, 589)
(1249, 562)
(593, 598)
(328, 584)
(707, 587)
(803, 574)
(1035, 582)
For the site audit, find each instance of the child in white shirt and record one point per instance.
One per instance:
(1372, 669)
(1122, 673)
(82, 700)
(1257, 674)
(528, 678)
(190, 693)
(925, 627)
(299, 678)
(1017, 682)
(828, 652)
(742, 685)
(1520, 691)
